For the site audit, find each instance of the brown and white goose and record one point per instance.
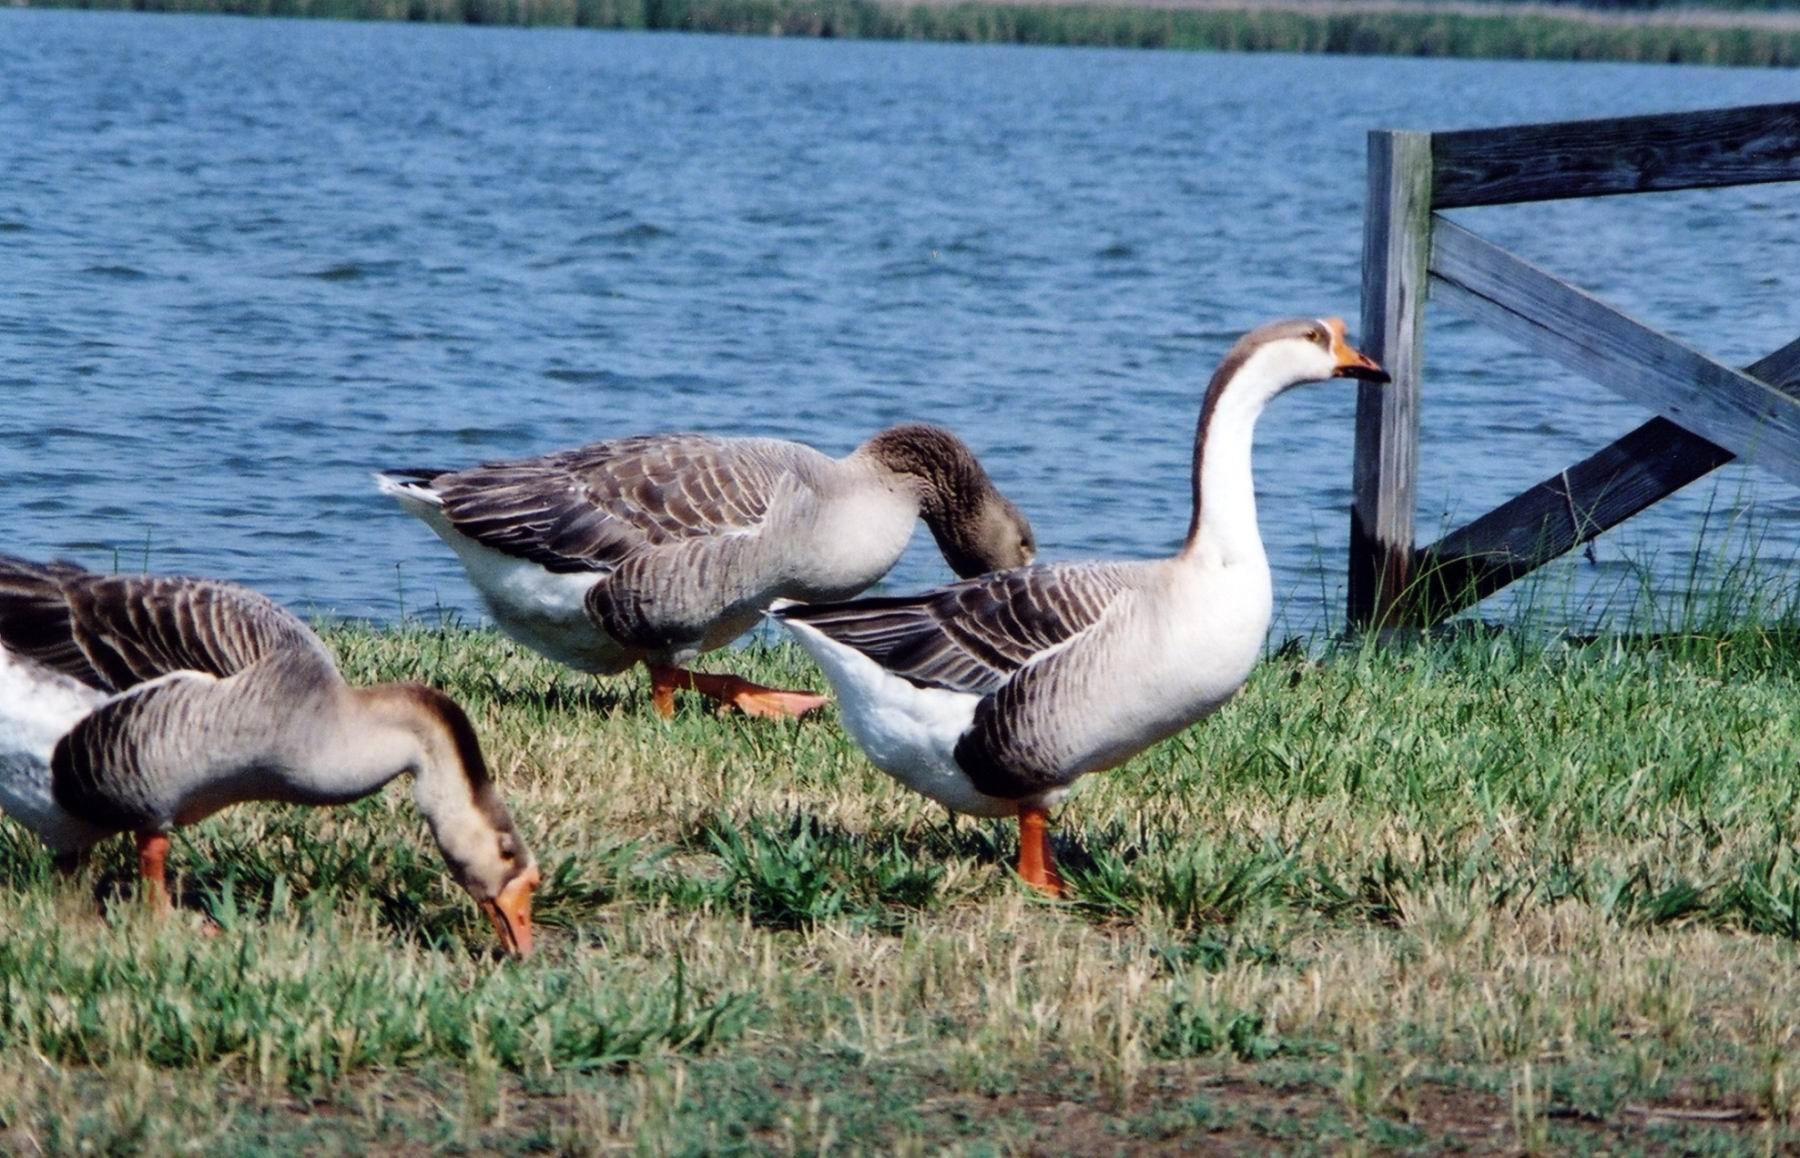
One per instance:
(132, 704)
(659, 547)
(994, 695)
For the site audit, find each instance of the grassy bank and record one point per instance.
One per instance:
(1464, 31)
(1476, 893)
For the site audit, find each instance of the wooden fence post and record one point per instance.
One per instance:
(1384, 475)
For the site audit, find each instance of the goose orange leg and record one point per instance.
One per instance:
(730, 691)
(1037, 867)
(153, 852)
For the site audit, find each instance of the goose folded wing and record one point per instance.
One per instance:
(114, 632)
(34, 617)
(108, 769)
(974, 635)
(587, 509)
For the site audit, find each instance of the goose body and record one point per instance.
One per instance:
(658, 548)
(138, 705)
(936, 691)
(994, 695)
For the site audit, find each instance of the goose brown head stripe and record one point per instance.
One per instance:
(977, 528)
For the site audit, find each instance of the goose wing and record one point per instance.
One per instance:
(111, 768)
(976, 635)
(114, 631)
(590, 508)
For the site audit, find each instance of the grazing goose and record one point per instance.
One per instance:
(659, 547)
(993, 695)
(133, 704)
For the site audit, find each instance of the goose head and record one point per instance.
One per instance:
(986, 533)
(470, 823)
(977, 528)
(1280, 355)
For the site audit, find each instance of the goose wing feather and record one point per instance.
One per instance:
(115, 632)
(110, 768)
(976, 635)
(590, 508)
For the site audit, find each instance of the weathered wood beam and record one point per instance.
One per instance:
(1568, 509)
(1584, 334)
(1385, 466)
(1695, 150)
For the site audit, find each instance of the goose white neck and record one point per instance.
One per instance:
(1223, 531)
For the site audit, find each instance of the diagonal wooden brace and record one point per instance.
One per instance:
(1641, 468)
(1721, 404)
(1568, 509)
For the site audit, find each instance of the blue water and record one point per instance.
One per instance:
(245, 262)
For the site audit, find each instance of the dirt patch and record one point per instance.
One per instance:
(1202, 1109)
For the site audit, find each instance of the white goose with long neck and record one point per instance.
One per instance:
(994, 695)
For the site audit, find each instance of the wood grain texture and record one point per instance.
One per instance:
(1584, 334)
(1385, 467)
(1574, 506)
(1694, 150)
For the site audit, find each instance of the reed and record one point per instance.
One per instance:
(1522, 35)
(1494, 885)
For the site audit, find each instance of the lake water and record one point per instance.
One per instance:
(245, 262)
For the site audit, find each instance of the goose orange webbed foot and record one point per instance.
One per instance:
(773, 703)
(730, 692)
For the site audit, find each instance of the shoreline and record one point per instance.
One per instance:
(1465, 29)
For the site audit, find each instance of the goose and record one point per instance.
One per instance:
(656, 548)
(138, 704)
(993, 695)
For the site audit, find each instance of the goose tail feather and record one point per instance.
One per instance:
(412, 483)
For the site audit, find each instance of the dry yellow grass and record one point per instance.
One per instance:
(1480, 893)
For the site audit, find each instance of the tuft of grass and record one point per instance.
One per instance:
(794, 873)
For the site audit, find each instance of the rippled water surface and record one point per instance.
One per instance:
(245, 262)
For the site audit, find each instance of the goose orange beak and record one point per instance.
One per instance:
(511, 912)
(1351, 362)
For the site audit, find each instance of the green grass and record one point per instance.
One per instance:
(1533, 34)
(1485, 892)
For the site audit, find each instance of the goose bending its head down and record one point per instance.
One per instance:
(659, 547)
(993, 695)
(133, 704)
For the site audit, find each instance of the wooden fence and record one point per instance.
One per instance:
(1709, 412)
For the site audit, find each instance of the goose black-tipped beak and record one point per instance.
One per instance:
(511, 912)
(1364, 371)
(1351, 362)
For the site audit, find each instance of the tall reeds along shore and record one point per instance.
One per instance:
(1521, 35)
